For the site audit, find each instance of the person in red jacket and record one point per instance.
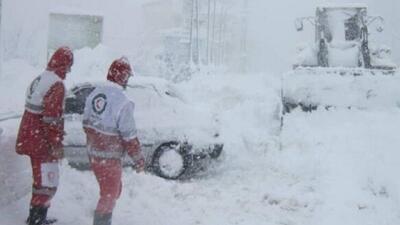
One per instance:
(41, 132)
(110, 128)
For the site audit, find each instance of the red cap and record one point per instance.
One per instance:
(61, 61)
(120, 71)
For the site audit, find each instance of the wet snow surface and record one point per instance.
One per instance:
(328, 167)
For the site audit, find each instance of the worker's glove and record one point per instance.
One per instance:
(57, 152)
(139, 163)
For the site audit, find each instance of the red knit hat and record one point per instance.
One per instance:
(61, 61)
(120, 71)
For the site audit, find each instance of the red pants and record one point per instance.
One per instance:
(108, 174)
(45, 181)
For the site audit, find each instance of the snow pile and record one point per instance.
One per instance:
(247, 106)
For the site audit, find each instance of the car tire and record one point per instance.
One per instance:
(170, 160)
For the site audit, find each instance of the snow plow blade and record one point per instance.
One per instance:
(309, 89)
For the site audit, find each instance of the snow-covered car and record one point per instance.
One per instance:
(177, 138)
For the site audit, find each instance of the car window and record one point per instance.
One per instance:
(75, 102)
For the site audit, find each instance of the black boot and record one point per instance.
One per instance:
(38, 216)
(102, 219)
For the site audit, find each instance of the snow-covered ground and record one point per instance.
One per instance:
(328, 167)
(349, 160)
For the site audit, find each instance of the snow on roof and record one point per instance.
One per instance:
(342, 5)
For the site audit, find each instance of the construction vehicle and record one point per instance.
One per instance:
(341, 68)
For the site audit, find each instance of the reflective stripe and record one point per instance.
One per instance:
(44, 191)
(33, 108)
(100, 128)
(54, 120)
(129, 135)
(105, 154)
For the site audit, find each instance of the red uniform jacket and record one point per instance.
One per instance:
(42, 125)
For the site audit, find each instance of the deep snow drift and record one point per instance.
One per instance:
(328, 167)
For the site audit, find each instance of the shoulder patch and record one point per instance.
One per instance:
(99, 103)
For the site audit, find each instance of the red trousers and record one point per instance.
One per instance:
(45, 181)
(108, 174)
